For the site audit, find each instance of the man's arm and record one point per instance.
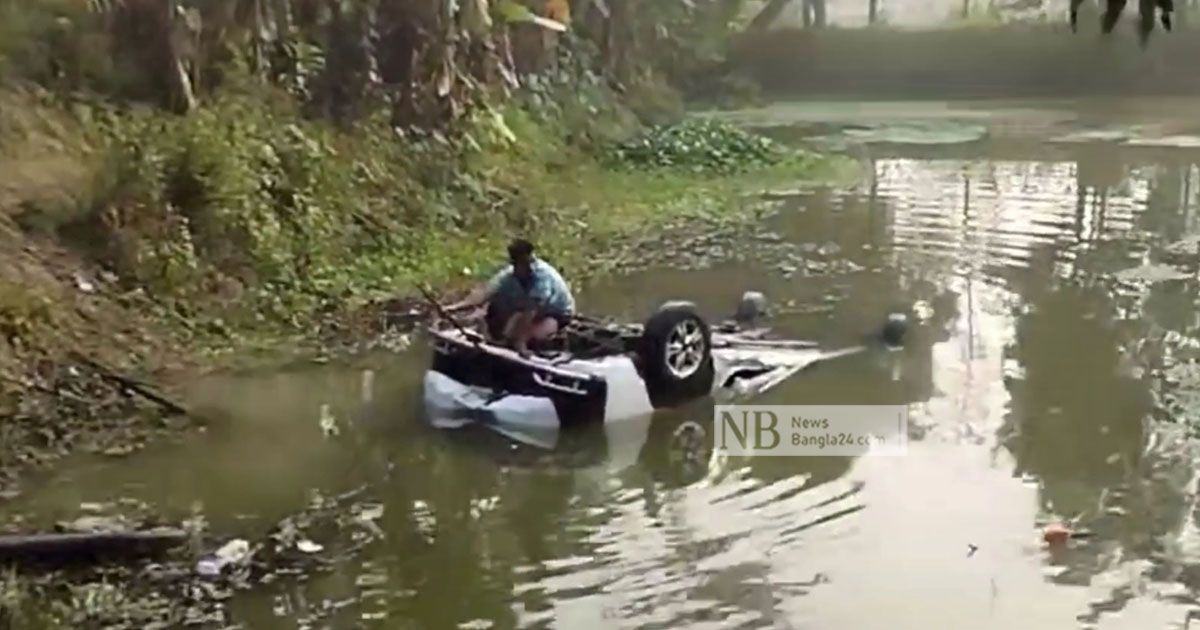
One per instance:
(479, 294)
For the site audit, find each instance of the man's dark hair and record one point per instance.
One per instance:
(520, 249)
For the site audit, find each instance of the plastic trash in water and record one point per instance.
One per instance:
(371, 512)
(308, 546)
(235, 551)
(367, 516)
(208, 567)
(922, 311)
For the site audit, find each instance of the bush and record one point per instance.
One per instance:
(245, 191)
(245, 208)
(58, 43)
(235, 189)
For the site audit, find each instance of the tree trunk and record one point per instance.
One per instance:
(182, 97)
(618, 37)
(401, 37)
(284, 23)
(351, 69)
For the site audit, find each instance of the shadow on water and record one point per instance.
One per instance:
(1051, 376)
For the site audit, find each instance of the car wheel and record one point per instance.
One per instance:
(676, 354)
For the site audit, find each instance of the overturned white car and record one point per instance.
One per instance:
(595, 372)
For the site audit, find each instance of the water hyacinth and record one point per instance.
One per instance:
(699, 146)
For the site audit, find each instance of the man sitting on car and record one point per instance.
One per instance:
(527, 301)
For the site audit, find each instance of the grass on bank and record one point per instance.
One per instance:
(245, 216)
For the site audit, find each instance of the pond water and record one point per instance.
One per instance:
(1054, 260)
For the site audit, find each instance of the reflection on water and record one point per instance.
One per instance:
(907, 13)
(1038, 391)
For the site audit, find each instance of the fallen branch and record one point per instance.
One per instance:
(132, 385)
(69, 548)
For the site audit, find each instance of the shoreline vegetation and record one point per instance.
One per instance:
(245, 200)
(122, 278)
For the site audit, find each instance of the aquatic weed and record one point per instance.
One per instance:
(699, 146)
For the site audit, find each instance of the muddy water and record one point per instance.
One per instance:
(1045, 383)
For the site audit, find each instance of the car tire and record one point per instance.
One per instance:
(676, 355)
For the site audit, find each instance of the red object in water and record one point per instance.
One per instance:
(1056, 534)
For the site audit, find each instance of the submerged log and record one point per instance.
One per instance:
(75, 548)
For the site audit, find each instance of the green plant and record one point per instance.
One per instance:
(295, 66)
(698, 145)
(20, 607)
(91, 604)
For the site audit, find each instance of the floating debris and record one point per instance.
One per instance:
(95, 524)
(922, 311)
(119, 450)
(328, 423)
(915, 133)
(1093, 136)
(1187, 246)
(1056, 534)
(308, 546)
(1173, 142)
(233, 552)
(1152, 273)
(83, 283)
(370, 512)
(370, 580)
(782, 195)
